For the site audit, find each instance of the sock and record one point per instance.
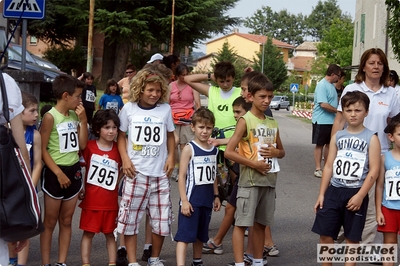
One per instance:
(21, 264)
(258, 262)
(239, 264)
(147, 246)
(112, 264)
(197, 261)
(153, 259)
(13, 260)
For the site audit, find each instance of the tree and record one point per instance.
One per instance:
(321, 18)
(227, 53)
(393, 26)
(282, 26)
(126, 22)
(274, 66)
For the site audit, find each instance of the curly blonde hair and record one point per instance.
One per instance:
(140, 81)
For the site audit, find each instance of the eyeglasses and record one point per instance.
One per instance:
(129, 72)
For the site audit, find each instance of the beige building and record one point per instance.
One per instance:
(370, 32)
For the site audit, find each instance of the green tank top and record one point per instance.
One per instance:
(222, 109)
(63, 145)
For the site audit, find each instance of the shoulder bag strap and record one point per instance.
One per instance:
(6, 111)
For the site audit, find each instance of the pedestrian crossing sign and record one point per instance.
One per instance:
(26, 9)
(294, 87)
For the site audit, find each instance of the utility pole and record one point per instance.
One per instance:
(89, 63)
(171, 47)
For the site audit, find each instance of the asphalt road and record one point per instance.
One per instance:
(297, 191)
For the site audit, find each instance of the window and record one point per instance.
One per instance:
(362, 28)
(32, 40)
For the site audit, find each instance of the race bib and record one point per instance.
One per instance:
(273, 162)
(103, 172)
(392, 184)
(90, 97)
(349, 165)
(147, 130)
(68, 136)
(205, 169)
(113, 106)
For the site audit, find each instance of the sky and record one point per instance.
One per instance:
(246, 8)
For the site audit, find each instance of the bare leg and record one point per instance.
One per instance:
(51, 212)
(181, 248)
(131, 242)
(258, 240)
(148, 229)
(389, 238)
(238, 243)
(326, 240)
(326, 151)
(157, 245)
(318, 156)
(23, 254)
(86, 246)
(225, 224)
(64, 221)
(111, 248)
(250, 249)
(197, 249)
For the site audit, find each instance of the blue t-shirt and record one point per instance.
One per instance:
(325, 92)
(108, 101)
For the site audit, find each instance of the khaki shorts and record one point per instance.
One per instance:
(255, 204)
(184, 133)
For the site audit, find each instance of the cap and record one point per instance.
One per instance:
(155, 57)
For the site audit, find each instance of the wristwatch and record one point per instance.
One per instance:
(216, 196)
(209, 76)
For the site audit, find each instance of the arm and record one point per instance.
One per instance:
(167, 99)
(380, 219)
(230, 153)
(186, 208)
(338, 123)
(197, 102)
(328, 107)
(170, 163)
(45, 130)
(17, 130)
(83, 127)
(37, 158)
(271, 151)
(374, 168)
(326, 174)
(217, 200)
(127, 166)
(218, 142)
(195, 81)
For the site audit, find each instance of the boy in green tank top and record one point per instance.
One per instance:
(64, 132)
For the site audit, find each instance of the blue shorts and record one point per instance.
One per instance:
(194, 227)
(51, 186)
(334, 214)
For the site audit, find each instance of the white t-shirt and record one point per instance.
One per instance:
(147, 136)
(15, 106)
(383, 104)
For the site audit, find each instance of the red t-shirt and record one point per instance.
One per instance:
(101, 187)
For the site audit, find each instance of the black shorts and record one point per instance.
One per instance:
(321, 134)
(51, 186)
(334, 214)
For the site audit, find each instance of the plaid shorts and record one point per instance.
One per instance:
(145, 193)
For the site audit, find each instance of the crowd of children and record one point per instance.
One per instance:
(134, 143)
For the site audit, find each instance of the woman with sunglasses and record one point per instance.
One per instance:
(124, 83)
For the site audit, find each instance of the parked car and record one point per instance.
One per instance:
(46, 88)
(33, 59)
(280, 102)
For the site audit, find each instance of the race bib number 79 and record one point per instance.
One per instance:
(68, 136)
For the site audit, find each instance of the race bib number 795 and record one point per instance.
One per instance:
(103, 172)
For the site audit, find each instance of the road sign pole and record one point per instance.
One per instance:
(24, 29)
(294, 100)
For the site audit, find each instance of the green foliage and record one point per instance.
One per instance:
(322, 16)
(274, 66)
(66, 58)
(393, 26)
(337, 44)
(227, 53)
(280, 25)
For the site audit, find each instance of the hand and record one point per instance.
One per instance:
(19, 245)
(319, 204)
(169, 166)
(63, 180)
(186, 208)
(128, 168)
(262, 167)
(217, 204)
(354, 203)
(268, 152)
(380, 219)
(248, 69)
(80, 112)
(213, 141)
